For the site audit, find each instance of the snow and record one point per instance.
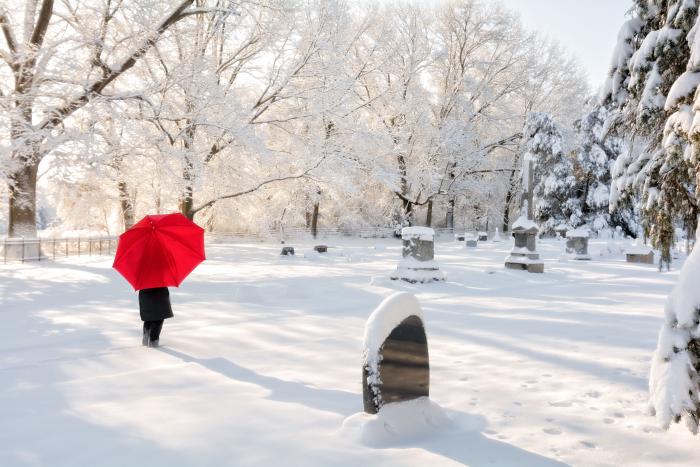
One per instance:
(420, 233)
(531, 370)
(412, 270)
(638, 250)
(581, 232)
(397, 423)
(523, 222)
(674, 384)
(684, 86)
(389, 314)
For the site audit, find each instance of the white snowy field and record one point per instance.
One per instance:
(261, 364)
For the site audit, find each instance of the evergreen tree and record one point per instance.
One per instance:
(674, 381)
(654, 74)
(555, 200)
(595, 159)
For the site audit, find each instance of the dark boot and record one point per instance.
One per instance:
(146, 340)
(154, 333)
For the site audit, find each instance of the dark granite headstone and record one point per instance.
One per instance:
(403, 369)
(321, 248)
(287, 251)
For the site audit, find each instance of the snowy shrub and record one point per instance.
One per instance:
(674, 382)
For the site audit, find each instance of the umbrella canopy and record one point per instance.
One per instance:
(159, 251)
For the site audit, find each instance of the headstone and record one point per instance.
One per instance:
(396, 366)
(523, 255)
(470, 240)
(321, 248)
(287, 251)
(577, 243)
(459, 237)
(562, 230)
(417, 263)
(639, 254)
(483, 236)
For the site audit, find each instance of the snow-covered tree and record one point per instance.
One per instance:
(674, 382)
(554, 190)
(60, 58)
(597, 153)
(653, 79)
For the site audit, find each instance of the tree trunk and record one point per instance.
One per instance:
(510, 194)
(450, 215)
(127, 207)
(429, 215)
(186, 203)
(22, 215)
(314, 220)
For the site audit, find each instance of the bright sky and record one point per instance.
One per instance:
(587, 28)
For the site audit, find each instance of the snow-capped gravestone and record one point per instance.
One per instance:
(577, 243)
(418, 264)
(483, 236)
(524, 254)
(470, 240)
(395, 357)
(639, 254)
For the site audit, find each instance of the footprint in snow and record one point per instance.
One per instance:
(561, 404)
(588, 444)
(608, 421)
(552, 431)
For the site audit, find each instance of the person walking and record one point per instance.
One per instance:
(154, 307)
(158, 252)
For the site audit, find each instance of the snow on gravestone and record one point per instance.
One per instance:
(418, 264)
(395, 357)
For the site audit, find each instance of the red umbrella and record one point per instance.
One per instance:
(159, 251)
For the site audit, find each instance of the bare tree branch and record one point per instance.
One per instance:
(56, 116)
(42, 23)
(303, 174)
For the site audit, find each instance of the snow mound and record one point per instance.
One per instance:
(397, 423)
(421, 233)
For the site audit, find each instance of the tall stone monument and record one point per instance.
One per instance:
(524, 255)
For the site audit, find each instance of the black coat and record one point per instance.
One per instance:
(154, 304)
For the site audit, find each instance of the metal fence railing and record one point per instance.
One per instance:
(296, 234)
(39, 249)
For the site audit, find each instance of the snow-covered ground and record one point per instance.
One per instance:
(261, 364)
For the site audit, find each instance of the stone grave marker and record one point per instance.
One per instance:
(396, 363)
(321, 248)
(639, 254)
(287, 251)
(417, 263)
(577, 243)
